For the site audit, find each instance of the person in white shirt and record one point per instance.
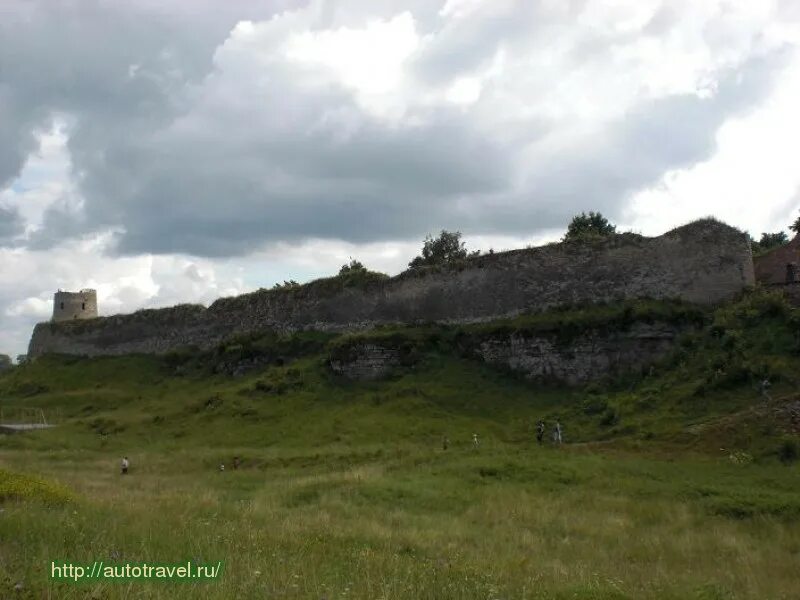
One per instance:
(764, 386)
(125, 465)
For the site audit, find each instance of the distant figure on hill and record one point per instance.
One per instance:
(235, 463)
(764, 388)
(445, 442)
(125, 465)
(540, 432)
(475, 443)
(557, 434)
(221, 467)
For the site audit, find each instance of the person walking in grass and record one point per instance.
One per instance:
(764, 387)
(557, 434)
(125, 465)
(475, 443)
(540, 432)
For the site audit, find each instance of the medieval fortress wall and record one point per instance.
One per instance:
(705, 262)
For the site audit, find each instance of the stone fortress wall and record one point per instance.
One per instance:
(705, 262)
(779, 266)
(68, 306)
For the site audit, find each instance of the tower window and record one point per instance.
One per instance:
(62, 306)
(83, 305)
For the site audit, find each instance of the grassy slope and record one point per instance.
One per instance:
(345, 491)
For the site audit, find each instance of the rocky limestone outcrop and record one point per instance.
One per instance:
(582, 359)
(539, 357)
(365, 362)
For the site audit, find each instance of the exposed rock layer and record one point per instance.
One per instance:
(540, 357)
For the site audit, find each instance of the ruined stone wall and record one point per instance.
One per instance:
(792, 292)
(770, 268)
(705, 262)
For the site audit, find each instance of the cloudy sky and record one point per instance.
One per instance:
(178, 151)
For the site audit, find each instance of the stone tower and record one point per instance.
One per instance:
(74, 305)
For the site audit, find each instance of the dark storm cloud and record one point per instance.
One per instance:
(209, 199)
(17, 138)
(11, 225)
(187, 146)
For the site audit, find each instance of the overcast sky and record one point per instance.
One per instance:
(166, 152)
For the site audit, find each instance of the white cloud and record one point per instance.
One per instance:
(752, 181)
(464, 90)
(45, 179)
(369, 60)
(37, 308)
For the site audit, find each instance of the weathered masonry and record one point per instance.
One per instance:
(705, 262)
(779, 266)
(74, 305)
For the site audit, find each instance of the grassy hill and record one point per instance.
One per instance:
(677, 482)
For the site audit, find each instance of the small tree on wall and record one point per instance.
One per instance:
(795, 226)
(589, 225)
(446, 248)
(769, 241)
(354, 266)
(355, 274)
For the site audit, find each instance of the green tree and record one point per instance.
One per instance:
(352, 267)
(772, 240)
(588, 226)
(355, 274)
(795, 226)
(768, 241)
(444, 249)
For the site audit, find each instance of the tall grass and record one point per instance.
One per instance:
(417, 523)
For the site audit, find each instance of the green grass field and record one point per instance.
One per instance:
(681, 483)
